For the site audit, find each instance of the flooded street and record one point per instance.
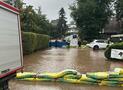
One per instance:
(55, 60)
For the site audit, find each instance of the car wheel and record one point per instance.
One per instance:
(96, 47)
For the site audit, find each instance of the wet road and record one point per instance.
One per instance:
(55, 60)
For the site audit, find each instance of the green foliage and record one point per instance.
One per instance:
(9, 2)
(91, 16)
(35, 22)
(119, 9)
(114, 46)
(32, 21)
(62, 26)
(119, 12)
(19, 4)
(54, 33)
(33, 42)
(28, 19)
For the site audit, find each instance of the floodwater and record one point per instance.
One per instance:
(56, 59)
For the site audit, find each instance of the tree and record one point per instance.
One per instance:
(45, 27)
(28, 17)
(62, 26)
(91, 17)
(119, 9)
(11, 2)
(19, 4)
(119, 12)
(32, 21)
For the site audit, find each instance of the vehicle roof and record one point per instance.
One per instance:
(118, 35)
(99, 40)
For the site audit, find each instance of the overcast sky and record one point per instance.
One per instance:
(52, 7)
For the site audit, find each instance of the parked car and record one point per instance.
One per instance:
(98, 44)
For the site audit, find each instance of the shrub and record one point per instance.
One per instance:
(84, 42)
(114, 46)
(33, 42)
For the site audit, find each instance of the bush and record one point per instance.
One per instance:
(114, 46)
(33, 42)
(84, 42)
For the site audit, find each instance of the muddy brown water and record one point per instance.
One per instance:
(56, 59)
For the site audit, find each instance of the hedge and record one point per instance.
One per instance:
(33, 42)
(114, 46)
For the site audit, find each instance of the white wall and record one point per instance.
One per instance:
(73, 41)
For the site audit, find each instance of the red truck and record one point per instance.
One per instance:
(11, 55)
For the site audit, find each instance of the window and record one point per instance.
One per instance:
(100, 41)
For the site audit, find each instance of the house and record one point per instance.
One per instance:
(112, 28)
(72, 35)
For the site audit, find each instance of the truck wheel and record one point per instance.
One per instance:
(96, 47)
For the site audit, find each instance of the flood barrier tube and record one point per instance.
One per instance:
(114, 78)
